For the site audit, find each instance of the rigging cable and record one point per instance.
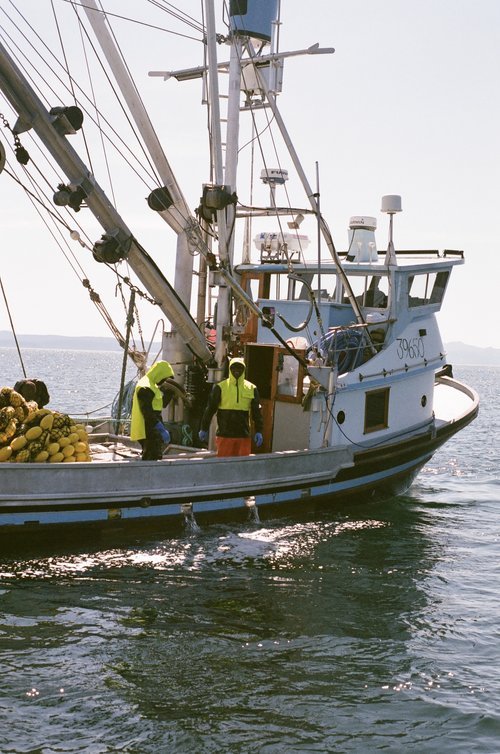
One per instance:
(13, 328)
(186, 217)
(98, 115)
(130, 322)
(257, 138)
(143, 23)
(179, 15)
(156, 180)
(118, 99)
(253, 58)
(94, 297)
(43, 59)
(97, 299)
(66, 67)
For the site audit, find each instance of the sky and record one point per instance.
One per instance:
(408, 104)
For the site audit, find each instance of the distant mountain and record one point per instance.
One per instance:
(457, 353)
(62, 342)
(461, 353)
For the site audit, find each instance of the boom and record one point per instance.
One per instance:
(33, 114)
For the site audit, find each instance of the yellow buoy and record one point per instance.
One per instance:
(5, 453)
(18, 443)
(56, 458)
(33, 433)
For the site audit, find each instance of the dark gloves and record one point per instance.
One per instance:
(165, 434)
(258, 439)
(203, 436)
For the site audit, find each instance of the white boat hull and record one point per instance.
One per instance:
(113, 495)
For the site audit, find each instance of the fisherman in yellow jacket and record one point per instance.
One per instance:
(235, 399)
(151, 394)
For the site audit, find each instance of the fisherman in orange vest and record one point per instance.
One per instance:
(234, 399)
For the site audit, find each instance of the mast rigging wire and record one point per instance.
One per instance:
(142, 23)
(88, 113)
(13, 328)
(95, 298)
(156, 180)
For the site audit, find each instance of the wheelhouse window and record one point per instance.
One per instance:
(289, 377)
(426, 289)
(370, 290)
(276, 373)
(324, 284)
(376, 410)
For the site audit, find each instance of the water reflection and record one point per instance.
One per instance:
(339, 574)
(281, 626)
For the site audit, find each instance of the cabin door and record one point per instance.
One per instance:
(279, 378)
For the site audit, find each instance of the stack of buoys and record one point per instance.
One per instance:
(29, 434)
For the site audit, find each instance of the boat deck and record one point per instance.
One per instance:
(452, 399)
(106, 448)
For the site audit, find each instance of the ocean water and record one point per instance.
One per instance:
(373, 627)
(79, 382)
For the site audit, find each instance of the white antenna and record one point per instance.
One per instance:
(391, 204)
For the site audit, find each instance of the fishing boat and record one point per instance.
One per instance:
(356, 391)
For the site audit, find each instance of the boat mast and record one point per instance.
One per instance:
(226, 245)
(33, 114)
(225, 249)
(271, 99)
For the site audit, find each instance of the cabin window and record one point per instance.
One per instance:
(370, 290)
(289, 377)
(428, 288)
(278, 287)
(276, 373)
(376, 410)
(251, 286)
(325, 283)
(288, 374)
(376, 292)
